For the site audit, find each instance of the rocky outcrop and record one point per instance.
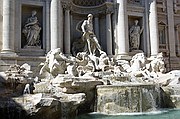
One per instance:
(70, 90)
(47, 107)
(17, 77)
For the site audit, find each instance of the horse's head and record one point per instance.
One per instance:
(138, 61)
(139, 57)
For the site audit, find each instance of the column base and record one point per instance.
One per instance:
(153, 56)
(133, 52)
(123, 57)
(8, 53)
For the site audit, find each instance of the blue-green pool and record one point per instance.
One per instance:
(164, 114)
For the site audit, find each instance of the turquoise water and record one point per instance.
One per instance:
(165, 114)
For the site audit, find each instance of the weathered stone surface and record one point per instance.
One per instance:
(57, 107)
(115, 99)
(75, 85)
(42, 87)
(174, 94)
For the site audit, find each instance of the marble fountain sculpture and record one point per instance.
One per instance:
(90, 81)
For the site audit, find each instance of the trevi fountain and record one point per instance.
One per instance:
(85, 78)
(88, 81)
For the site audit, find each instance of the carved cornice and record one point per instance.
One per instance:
(35, 0)
(88, 2)
(135, 2)
(136, 9)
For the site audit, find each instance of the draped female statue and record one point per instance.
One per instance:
(134, 33)
(32, 30)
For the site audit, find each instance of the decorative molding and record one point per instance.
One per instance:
(88, 2)
(177, 26)
(162, 23)
(35, 0)
(136, 9)
(137, 2)
(176, 6)
(101, 9)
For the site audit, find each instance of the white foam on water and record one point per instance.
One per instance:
(134, 113)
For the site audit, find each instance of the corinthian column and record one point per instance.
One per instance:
(96, 20)
(177, 41)
(67, 6)
(171, 29)
(47, 25)
(56, 25)
(108, 32)
(8, 27)
(153, 27)
(122, 43)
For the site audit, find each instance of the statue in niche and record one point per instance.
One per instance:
(32, 30)
(89, 36)
(134, 33)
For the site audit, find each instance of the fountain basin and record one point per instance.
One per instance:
(125, 98)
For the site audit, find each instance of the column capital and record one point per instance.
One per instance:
(109, 8)
(96, 15)
(66, 5)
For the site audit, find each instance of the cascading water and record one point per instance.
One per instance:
(113, 99)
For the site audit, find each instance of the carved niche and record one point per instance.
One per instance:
(31, 27)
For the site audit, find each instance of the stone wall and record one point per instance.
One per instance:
(1, 20)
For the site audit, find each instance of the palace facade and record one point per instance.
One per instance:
(57, 27)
